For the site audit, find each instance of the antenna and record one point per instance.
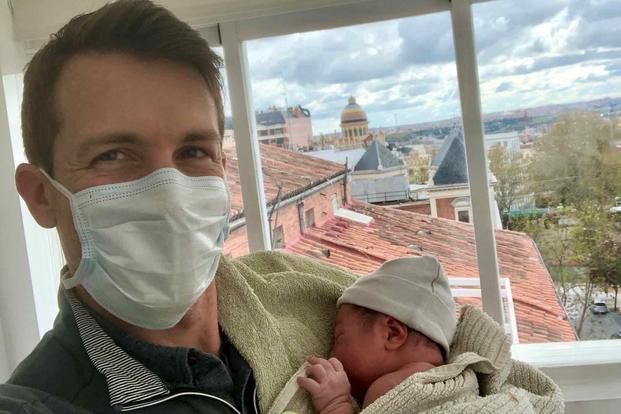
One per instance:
(286, 111)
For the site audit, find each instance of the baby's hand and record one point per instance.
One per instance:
(328, 385)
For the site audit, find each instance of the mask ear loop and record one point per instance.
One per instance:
(58, 185)
(226, 231)
(73, 281)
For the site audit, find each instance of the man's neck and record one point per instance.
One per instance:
(197, 329)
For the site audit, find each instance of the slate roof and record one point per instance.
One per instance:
(394, 233)
(377, 157)
(270, 118)
(451, 161)
(277, 117)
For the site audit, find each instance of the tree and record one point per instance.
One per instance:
(556, 246)
(575, 162)
(509, 172)
(418, 168)
(596, 248)
(609, 269)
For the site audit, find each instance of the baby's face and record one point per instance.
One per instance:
(358, 345)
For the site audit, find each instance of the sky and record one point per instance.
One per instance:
(530, 53)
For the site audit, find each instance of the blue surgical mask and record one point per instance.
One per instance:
(150, 247)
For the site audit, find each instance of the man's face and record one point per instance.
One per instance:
(121, 118)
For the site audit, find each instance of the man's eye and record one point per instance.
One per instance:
(111, 156)
(192, 152)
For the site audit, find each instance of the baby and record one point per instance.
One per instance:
(390, 324)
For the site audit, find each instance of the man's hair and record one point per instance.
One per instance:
(136, 27)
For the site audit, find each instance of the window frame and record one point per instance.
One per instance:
(231, 35)
(571, 359)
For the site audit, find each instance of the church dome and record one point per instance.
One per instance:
(353, 113)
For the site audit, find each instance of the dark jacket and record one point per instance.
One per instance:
(60, 377)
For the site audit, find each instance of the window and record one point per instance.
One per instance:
(310, 218)
(531, 55)
(556, 182)
(462, 209)
(463, 216)
(402, 67)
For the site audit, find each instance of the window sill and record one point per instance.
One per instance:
(585, 371)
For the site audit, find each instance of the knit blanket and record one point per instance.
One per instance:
(277, 309)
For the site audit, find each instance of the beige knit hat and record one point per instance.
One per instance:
(413, 290)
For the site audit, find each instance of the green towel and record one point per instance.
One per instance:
(277, 309)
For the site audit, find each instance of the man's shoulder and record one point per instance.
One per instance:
(26, 400)
(58, 366)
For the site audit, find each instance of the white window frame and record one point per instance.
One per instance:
(571, 359)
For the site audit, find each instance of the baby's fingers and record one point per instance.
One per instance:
(336, 364)
(317, 372)
(309, 385)
(327, 366)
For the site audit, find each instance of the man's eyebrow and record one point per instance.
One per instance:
(106, 139)
(201, 135)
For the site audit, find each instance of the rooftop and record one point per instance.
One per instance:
(451, 161)
(351, 156)
(294, 171)
(276, 116)
(393, 233)
(377, 157)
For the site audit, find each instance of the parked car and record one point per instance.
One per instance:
(599, 308)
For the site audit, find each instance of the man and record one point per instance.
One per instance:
(122, 124)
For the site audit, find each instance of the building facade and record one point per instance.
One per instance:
(291, 129)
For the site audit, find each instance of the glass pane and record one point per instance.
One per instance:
(372, 152)
(551, 97)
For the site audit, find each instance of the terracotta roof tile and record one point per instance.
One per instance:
(294, 171)
(394, 233)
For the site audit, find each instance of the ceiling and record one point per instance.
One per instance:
(34, 20)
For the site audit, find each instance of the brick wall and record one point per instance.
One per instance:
(445, 209)
(419, 207)
(287, 217)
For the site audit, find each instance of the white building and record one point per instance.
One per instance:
(509, 140)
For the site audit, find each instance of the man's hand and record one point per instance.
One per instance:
(328, 386)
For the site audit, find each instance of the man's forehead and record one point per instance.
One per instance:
(116, 71)
(98, 91)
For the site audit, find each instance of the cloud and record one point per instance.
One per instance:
(532, 52)
(427, 39)
(549, 62)
(614, 69)
(592, 78)
(343, 55)
(503, 87)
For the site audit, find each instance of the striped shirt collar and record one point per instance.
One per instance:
(128, 380)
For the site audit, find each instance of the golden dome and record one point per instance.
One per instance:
(353, 113)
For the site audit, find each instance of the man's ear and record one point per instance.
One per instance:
(34, 188)
(396, 333)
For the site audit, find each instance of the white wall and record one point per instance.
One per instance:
(43, 246)
(18, 322)
(27, 307)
